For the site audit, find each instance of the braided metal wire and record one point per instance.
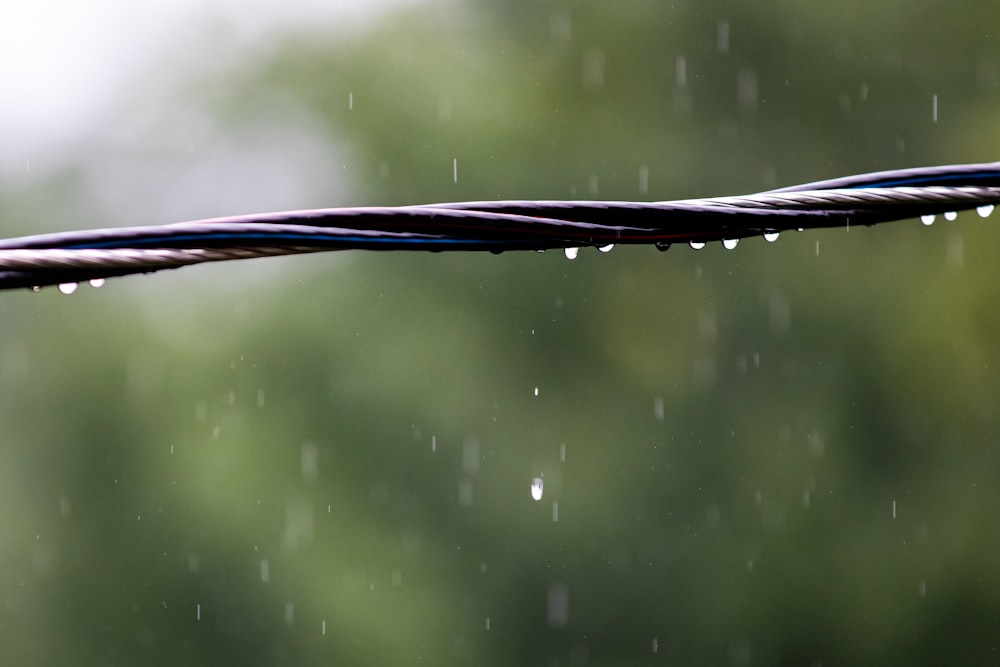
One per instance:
(498, 226)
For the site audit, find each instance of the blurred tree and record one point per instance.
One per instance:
(778, 455)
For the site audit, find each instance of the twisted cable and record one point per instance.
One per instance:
(497, 226)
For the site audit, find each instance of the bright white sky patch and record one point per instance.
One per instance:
(63, 61)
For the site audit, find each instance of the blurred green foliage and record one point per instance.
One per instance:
(784, 454)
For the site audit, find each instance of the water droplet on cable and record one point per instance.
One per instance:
(927, 219)
(571, 253)
(97, 282)
(730, 244)
(662, 246)
(697, 245)
(606, 248)
(984, 211)
(537, 487)
(68, 288)
(951, 215)
(770, 237)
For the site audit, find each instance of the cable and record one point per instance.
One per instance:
(498, 226)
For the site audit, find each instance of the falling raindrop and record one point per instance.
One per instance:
(537, 487)
(951, 215)
(309, 461)
(984, 211)
(465, 492)
(770, 237)
(558, 605)
(571, 253)
(722, 37)
(643, 179)
(606, 248)
(927, 219)
(729, 244)
(697, 245)
(536, 391)
(68, 288)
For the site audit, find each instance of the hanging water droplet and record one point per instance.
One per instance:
(951, 215)
(606, 248)
(537, 486)
(984, 211)
(729, 244)
(927, 219)
(68, 288)
(571, 253)
(770, 237)
(97, 282)
(697, 245)
(662, 246)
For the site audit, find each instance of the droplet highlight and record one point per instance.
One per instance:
(771, 237)
(537, 488)
(951, 215)
(984, 211)
(68, 288)
(606, 248)
(697, 245)
(730, 244)
(571, 253)
(927, 219)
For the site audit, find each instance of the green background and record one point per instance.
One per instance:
(783, 454)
